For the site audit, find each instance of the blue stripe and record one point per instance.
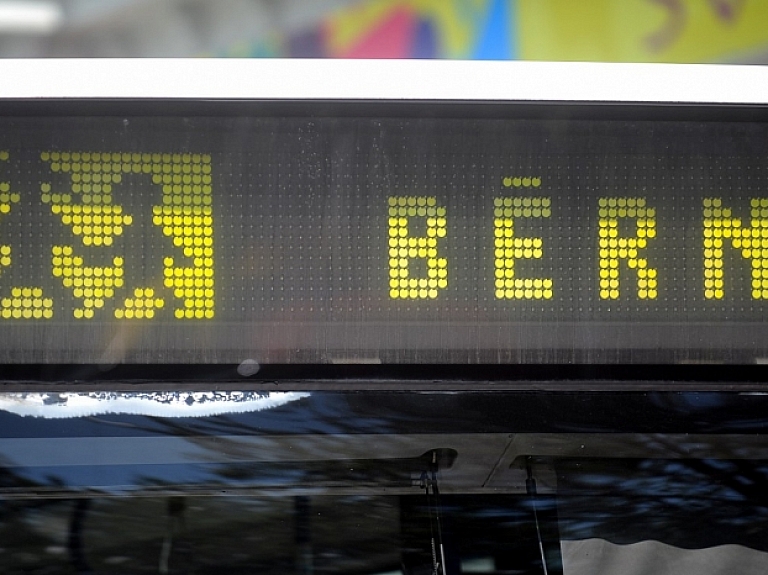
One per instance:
(496, 40)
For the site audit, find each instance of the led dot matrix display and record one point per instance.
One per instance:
(356, 236)
(722, 229)
(508, 247)
(404, 248)
(89, 209)
(615, 248)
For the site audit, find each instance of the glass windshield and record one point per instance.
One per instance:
(382, 483)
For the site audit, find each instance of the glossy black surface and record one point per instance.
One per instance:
(334, 482)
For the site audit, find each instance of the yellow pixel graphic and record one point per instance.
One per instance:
(142, 305)
(7, 199)
(404, 248)
(614, 248)
(752, 241)
(24, 302)
(521, 182)
(185, 215)
(508, 247)
(92, 285)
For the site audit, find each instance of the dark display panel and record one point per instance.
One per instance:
(394, 239)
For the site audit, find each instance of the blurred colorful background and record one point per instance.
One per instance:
(591, 30)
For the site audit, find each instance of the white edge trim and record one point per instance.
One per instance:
(278, 79)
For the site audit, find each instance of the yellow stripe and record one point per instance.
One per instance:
(639, 30)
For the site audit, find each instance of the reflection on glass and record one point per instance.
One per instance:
(327, 484)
